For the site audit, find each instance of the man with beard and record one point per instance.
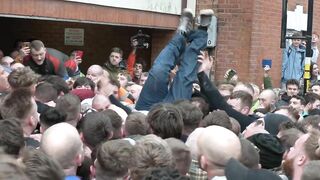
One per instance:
(267, 100)
(305, 149)
(312, 102)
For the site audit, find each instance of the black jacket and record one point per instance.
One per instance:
(216, 101)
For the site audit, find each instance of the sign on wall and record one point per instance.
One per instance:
(297, 20)
(74, 36)
(162, 6)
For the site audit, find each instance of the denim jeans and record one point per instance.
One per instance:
(156, 89)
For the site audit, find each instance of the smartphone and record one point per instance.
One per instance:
(25, 44)
(79, 54)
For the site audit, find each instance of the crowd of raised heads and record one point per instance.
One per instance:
(119, 121)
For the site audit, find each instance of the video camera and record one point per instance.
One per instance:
(143, 39)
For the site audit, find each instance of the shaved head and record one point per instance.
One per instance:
(216, 146)
(269, 94)
(95, 72)
(100, 102)
(266, 98)
(62, 142)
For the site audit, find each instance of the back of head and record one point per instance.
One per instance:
(311, 97)
(164, 173)
(201, 103)
(22, 78)
(11, 136)
(226, 87)
(39, 166)
(82, 82)
(50, 117)
(272, 122)
(113, 159)
(227, 142)
(246, 87)
(17, 104)
(245, 98)
(136, 124)
(249, 154)
(311, 171)
(312, 144)
(116, 122)
(58, 83)
(96, 128)
(237, 171)
(150, 152)
(10, 169)
(236, 128)
(70, 105)
(314, 112)
(271, 151)
(181, 154)
(62, 142)
(289, 137)
(45, 92)
(191, 115)
(219, 118)
(311, 122)
(165, 121)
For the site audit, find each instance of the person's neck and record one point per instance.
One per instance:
(70, 172)
(27, 131)
(215, 172)
(297, 175)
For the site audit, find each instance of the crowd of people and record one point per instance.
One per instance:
(118, 121)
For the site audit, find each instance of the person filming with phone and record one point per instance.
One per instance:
(72, 64)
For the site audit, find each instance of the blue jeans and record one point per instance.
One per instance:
(156, 89)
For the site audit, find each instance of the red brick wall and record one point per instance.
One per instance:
(249, 31)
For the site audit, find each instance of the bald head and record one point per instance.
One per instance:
(269, 93)
(100, 102)
(216, 146)
(266, 98)
(62, 142)
(95, 72)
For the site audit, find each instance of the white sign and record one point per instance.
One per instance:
(162, 6)
(297, 20)
(74, 36)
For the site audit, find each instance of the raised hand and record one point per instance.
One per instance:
(205, 62)
(24, 51)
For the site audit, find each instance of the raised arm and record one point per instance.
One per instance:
(216, 100)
